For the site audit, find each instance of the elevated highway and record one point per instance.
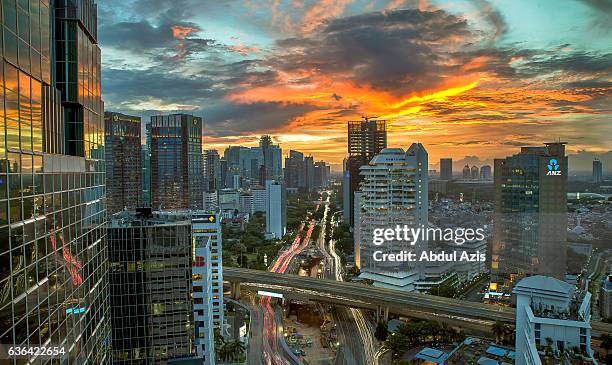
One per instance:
(475, 316)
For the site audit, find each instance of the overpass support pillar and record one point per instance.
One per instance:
(382, 313)
(235, 290)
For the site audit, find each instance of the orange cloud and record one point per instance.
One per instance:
(182, 32)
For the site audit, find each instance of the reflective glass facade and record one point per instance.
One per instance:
(151, 285)
(530, 232)
(177, 179)
(53, 285)
(123, 162)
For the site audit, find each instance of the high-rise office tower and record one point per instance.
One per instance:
(308, 173)
(295, 176)
(276, 209)
(485, 173)
(474, 172)
(123, 162)
(206, 232)
(260, 199)
(223, 183)
(176, 162)
(150, 275)
(446, 169)
(466, 172)
(321, 174)
(212, 173)
(393, 192)
(145, 160)
(53, 286)
(597, 171)
(346, 182)
(366, 138)
(530, 215)
(273, 159)
(202, 303)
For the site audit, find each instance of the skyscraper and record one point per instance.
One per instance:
(308, 173)
(53, 286)
(366, 138)
(597, 171)
(530, 219)
(212, 171)
(150, 284)
(485, 173)
(276, 209)
(446, 169)
(474, 172)
(295, 175)
(393, 192)
(123, 162)
(145, 160)
(176, 162)
(206, 232)
(467, 172)
(273, 159)
(321, 174)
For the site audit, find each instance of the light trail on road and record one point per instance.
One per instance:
(273, 331)
(356, 315)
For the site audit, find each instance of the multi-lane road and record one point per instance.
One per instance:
(275, 350)
(354, 349)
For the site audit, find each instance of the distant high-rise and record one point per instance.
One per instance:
(485, 173)
(145, 160)
(597, 171)
(53, 257)
(366, 138)
(123, 162)
(176, 162)
(321, 174)
(394, 191)
(308, 173)
(530, 217)
(272, 159)
(276, 209)
(260, 199)
(467, 172)
(446, 169)
(475, 173)
(212, 170)
(150, 285)
(295, 175)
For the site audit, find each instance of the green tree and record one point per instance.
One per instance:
(606, 342)
(397, 343)
(499, 331)
(382, 331)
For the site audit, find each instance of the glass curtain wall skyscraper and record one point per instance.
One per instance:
(53, 287)
(366, 138)
(177, 180)
(123, 162)
(530, 232)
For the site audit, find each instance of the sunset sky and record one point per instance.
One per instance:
(472, 80)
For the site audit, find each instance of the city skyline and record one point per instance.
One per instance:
(463, 78)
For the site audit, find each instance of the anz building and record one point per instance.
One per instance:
(530, 217)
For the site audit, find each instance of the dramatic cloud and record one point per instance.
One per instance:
(460, 80)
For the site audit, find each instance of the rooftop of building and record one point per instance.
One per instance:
(545, 284)
(576, 305)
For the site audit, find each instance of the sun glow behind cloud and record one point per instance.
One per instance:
(454, 76)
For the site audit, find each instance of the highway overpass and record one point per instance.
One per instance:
(476, 316)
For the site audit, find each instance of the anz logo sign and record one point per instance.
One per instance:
(553, 168)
